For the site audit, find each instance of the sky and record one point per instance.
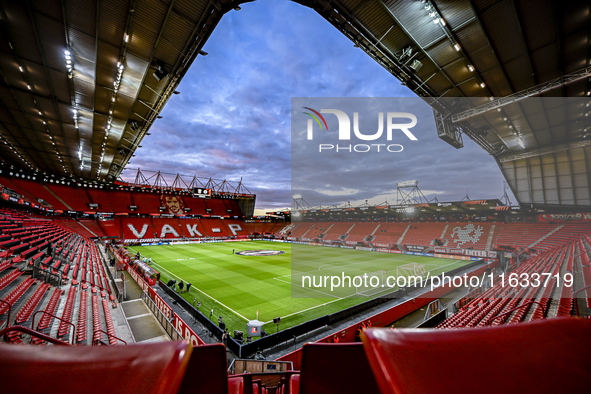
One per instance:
(232, 119)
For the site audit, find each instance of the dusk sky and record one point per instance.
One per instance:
(232, 119)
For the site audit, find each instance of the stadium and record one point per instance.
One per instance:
(355, 278)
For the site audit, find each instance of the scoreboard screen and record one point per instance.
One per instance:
(199, 192)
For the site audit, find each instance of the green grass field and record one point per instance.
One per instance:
(236, 286)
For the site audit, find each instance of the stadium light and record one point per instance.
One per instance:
(296, 196)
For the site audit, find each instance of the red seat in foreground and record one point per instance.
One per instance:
(545, 356)
(148, 368)
(329, 368)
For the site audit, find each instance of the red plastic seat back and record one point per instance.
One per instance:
(294, 384)
(256, 386)
(145, 368)
(335, 368)
(207, 371)
(236, 385)
(241, 383)
(546, 356)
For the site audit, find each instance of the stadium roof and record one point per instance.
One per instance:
(481, 50)
(83, 81)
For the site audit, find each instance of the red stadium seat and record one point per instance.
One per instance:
(335, 368)
(149, 368)
(294, 384)
(240, 384)
(206, 372)
(545, 356)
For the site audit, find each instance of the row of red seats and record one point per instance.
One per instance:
(9, 278)
(50, 309)
(25, 313)
(64, 327)
(82, 317)
(96, 319)
(500, 297)
(16, 294)
(109, 321)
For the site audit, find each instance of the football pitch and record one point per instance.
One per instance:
(237, 287)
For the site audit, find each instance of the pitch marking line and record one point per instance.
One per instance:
(201, 291)
(337, 265)
(313, 307)
(294, 284)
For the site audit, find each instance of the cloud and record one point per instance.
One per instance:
(232, 118)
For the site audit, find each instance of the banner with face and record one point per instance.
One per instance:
(174, 204)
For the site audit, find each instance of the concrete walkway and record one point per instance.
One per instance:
(143, 324)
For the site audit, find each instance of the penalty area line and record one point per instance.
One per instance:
(201, 291)
(305, 310)
(330, 295)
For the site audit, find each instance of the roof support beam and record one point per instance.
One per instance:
(544, 151)
(530, 92)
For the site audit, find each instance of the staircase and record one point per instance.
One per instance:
(491, 234)
(375, 229)
(443, 233)
(403, 234)
(87, 229)
(285, 230)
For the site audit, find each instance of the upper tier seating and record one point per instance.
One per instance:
(75, 198)
(148, 201)
(337, 230)
(360, 231)
(423, 233)
(520, 234)
(388, 233)
(300, 229)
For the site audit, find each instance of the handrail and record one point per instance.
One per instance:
(33, 333)
(59, 278)
(9, 310)
(110, 335)
(582, 253)
(59, 318)
(514, 309)
(575, 299)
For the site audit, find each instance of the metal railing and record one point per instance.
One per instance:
(96, 341)
(59, 318)
(162, 319)
(575, 298)
(9, 311)
(516, 308)
(32, 333)
(433, 308)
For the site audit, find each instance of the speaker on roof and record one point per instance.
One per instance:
(416, 65)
